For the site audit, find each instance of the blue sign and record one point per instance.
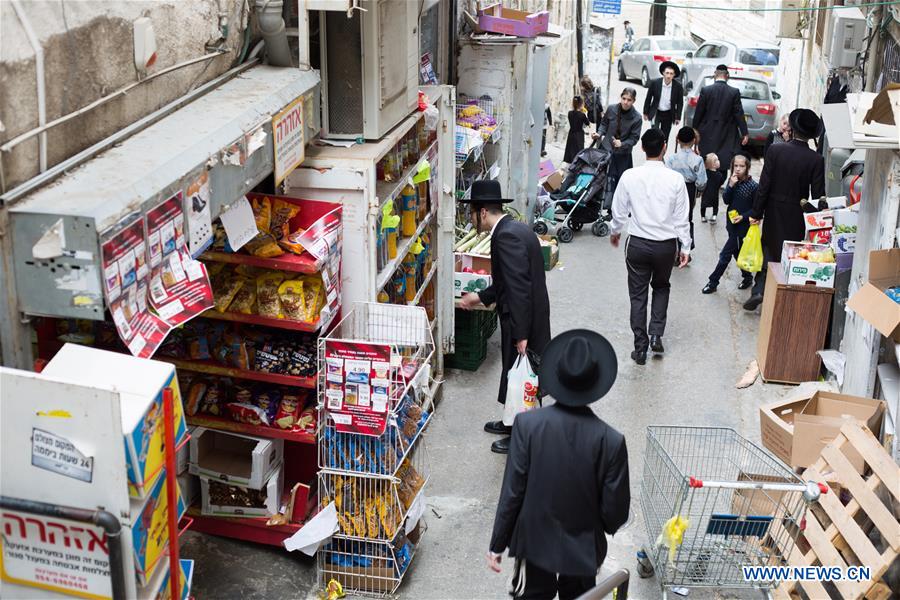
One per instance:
(608, 7)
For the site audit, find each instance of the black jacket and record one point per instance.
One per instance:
(565, 488)
(719, 118)
(626, 126)
(519, 283)
(792, 172)
(654, 93)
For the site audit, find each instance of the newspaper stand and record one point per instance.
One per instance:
(375, 401)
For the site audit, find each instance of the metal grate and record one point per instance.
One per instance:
(343, 47)
(890, 64)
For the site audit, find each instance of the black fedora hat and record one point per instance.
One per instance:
(486, 191)
(578, 367)
(805, 122)
(669, 64)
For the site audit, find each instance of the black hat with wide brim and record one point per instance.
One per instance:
(486, 191)
(805, 122)
(578, 367)
(668, 63)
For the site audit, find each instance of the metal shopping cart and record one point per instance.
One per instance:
(714, 503)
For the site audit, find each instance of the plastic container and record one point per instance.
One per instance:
(408, 211)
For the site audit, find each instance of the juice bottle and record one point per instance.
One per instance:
(391, 242)
(409, 270)
(408, 211)
(383, 297)
(422, 201)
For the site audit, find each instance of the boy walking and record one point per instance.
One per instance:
(689, 165)
(739, 196)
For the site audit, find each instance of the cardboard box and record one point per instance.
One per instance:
(871, 303)
(550, 250)
(464, 282)
(150, 529)
(234, 458)
(797, 431)
(554, 180)
(190, 488)
(141, 383)
(844, 242)
(757, 502)
(798, 271)
(497, 19)
(183, 455)
(267, 499)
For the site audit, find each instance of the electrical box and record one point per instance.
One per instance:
(370, 68)
(848, 34)
(222, 139)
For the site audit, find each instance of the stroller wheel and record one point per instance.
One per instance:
(600, 228)
(576, 226)
(540, 228)
(565, 234)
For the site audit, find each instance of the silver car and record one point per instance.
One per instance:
(642, 62)
(757, 100)
(758, 60)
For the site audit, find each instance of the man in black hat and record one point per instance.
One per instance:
(792, 174)
(665, 98)
(519, 287)
(566, 481)
(719, 118)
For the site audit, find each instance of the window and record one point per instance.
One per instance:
(429, 38)
(706, 51)
(642, 45)
(758, 56)
(676, 45)
(721, 52)
(749, 88)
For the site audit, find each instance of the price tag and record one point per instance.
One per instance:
(240, 226)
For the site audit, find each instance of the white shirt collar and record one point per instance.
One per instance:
(497, 223)
(667, 84)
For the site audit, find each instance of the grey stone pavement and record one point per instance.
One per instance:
(709, 342)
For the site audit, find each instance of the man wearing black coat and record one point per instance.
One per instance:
(792, 174)
(665, 98)
(519, 287)
(719, 117)
(566, 482)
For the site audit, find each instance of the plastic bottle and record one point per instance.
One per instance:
(383, 297)
(408, 211)
(409, 269)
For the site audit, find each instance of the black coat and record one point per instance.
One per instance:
(618, 124)
(654, 93)
(719, 118)
(565, 488)
(792, 172)
(575, 140)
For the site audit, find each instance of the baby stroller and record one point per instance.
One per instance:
(579, 199)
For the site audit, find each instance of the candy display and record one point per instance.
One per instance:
(473, 116)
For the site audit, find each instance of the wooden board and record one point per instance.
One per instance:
(844, 542)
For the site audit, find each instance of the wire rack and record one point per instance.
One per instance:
(750, 517)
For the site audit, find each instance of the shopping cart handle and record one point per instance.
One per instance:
(823, 488)
(695, 483)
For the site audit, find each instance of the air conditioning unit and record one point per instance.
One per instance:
(369, 68)
(793, 22)
(846, 37)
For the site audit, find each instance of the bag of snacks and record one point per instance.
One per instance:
(244, 300)
(268, 304)
(263, 246)
(246, 413)
(291, 294)
(288, 411)
(195, 396)
(282, 213)
(269, 401)
(224, 291)
(292, 244)
(312, 290)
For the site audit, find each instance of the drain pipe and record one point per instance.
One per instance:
(271, 24)
(39, 74)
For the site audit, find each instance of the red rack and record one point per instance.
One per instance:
(304, 263)
(265, 321)
(301, 437)
(211, 368)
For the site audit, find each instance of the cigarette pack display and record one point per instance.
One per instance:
(233, 458)
(222, 499)
(141, 411)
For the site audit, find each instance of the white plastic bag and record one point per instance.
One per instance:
(521, 390)
(431, 118)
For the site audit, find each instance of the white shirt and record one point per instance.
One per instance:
(658, 202)
(665, 97)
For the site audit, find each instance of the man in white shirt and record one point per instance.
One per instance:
(657, 201)
(664, 99)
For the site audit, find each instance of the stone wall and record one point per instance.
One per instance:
(88, 53)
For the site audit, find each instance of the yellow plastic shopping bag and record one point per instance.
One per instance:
(750, 258)
(672, 534)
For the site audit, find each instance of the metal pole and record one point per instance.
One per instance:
(101, 518)
(579, 39)
(618, 581)
(171, 493)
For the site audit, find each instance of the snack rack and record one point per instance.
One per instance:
(322, 224)
(375, 401)
(477, 136)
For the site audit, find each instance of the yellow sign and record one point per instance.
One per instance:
(289, 139)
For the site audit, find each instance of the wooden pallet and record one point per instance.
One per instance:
(837, 535)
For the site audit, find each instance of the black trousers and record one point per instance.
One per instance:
(730, 250)
(508, 354)
(649, 264)
(663, 120)
(544, 585)
(759, 281)
(692, 200)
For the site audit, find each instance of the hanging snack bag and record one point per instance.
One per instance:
(264, 244)
(292, 244)
(282, 213)
(225, 290)
(268, 303)
(311, 292)
(291, 295)
(244, 299)
(196, 393)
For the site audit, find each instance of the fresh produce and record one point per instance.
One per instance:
(845, 228)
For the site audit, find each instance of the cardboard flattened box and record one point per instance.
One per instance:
(497, 19)
(796, 431)
(871, 303)
(141, 384)
(234, 458)
(221, 499)
(150, 528)
(472, 273)
(801, 267)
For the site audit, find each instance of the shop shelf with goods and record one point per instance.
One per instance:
(89, 449)
(399, 210)
(477, 135)
(375, 400)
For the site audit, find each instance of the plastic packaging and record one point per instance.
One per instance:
(408, 211)
(750, 258)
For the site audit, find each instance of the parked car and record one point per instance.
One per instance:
(642, 62)
(754, 59)
(757, 99)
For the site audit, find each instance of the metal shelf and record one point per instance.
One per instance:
(224, 424)
(391, 267)
(302, 263)
(415, 301)
(386, 191)
(268, 321)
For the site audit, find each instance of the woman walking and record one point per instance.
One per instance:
(620, 130)
(578, 120)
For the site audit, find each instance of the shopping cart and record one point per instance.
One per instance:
(714, 503)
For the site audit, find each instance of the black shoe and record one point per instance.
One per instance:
(501, 446)
(639, 357)
(709, 288)
(745, 283)
(656, 344)
(497, 427)
(754, 301)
